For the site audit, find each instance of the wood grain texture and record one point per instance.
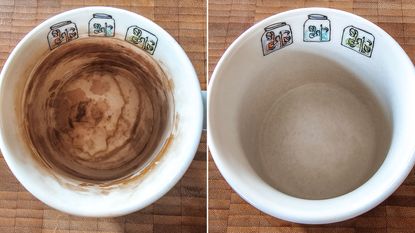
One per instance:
(227, 19)
(183, 209)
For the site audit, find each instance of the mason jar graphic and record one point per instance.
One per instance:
(61, 33)
(317, 28)
(358, 40)
(275, 37)
(141, 38)
(101, 25)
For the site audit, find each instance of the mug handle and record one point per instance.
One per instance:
(204, 96)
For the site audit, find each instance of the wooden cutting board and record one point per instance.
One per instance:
(227, 211)
(183, 209)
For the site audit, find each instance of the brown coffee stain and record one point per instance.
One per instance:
(97, 111)
(135, 178)
(171, 84)
(99, 88)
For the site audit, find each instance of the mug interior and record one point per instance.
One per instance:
(312, 129)
(97, 109)
(312, 124)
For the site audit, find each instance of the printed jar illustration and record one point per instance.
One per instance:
(141, 38)
(61, 33)
(101, 25)
(317, 28)
(275, 37)
(358, 40)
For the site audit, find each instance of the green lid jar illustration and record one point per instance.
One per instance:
(141, 38)
(358, 40)
(275, 37)
(317, 28)
(101, 25)
(61, 33)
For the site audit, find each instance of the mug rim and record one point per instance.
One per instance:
(296, 213)
(192, 137)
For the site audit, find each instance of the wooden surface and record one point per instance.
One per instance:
(227, 211)
(183, 209)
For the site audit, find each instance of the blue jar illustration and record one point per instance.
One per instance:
(61, 33)
(101, 25)
(275, 37)
(317, 28)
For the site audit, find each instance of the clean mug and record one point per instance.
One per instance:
(320, 127)
(173, 153)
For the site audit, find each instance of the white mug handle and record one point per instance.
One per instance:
(204, 96)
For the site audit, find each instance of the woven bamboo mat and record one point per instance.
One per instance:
(227, 211)
(183, 209)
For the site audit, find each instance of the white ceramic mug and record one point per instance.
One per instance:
(142, 188)
(288, 124)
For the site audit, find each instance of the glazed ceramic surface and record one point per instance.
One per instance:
(314, 46)
(122, 196)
